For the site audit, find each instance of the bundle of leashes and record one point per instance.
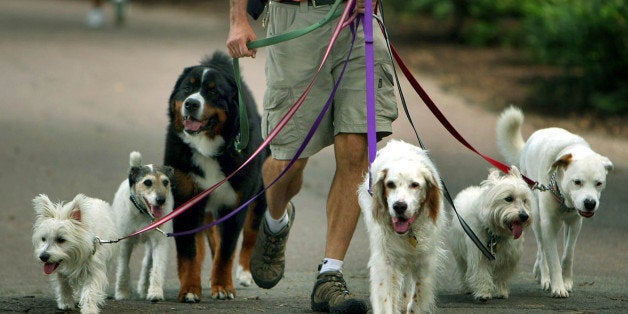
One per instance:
(346, 19)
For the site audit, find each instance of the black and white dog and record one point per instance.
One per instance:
(201, 147)
(145, 196)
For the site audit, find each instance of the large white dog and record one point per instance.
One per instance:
(575, 175)
(499, 211)
(405, 218)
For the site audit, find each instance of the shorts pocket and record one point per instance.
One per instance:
(277, 102)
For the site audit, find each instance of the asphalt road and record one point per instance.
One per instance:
(74, 102)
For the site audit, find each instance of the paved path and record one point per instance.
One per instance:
(75, 102)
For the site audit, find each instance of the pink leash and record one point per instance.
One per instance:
(343, 22)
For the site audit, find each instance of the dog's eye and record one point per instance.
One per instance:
(43, 239)
(598, 184)
(165, 182)
(390, 185)
(148, 183)
(415, 185)
(60, 240)
(577, 182)
(509, 199)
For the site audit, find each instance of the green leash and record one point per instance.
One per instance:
(242, 139)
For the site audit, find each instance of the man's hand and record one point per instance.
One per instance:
(240, 31)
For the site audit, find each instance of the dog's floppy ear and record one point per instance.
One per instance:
(608, 165)
(169, 172)
(562, 161)
(379, 193)
(43, 206)
(433, 197)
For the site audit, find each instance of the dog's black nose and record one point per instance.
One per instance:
(400, 207)
(589, 204)
(44, 257)
(160, 200)
(523, 216)
(192, 104)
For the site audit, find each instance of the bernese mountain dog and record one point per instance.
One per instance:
(201, 147)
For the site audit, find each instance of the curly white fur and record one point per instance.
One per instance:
(499, 212)
(405, 219)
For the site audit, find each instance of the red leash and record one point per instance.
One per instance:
(450, 128)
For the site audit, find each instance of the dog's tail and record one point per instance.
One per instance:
(135, 159)
(509, 139)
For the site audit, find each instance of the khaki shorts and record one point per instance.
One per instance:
(290, 67)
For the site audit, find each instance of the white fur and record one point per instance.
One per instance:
(157, 246)
(65, 234)
(402, 275)
(581, 176)
(497, 205)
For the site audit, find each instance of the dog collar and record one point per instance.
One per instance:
(553, 188)
(140, 207)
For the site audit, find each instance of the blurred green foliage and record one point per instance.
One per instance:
(587, 39)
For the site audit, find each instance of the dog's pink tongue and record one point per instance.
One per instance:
(192, 125)
(517, 230)
(49, 268)
(401, 225)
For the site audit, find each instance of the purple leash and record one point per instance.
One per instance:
(369, 54)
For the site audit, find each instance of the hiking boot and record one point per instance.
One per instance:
(330, 294)
(268, 259)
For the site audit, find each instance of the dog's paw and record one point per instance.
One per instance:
(122, 295)
(155, 296)
(482, 297)
(89, 309)
(65, 306)
(545, 284)
(223, 293)
(568, 282)
(560, 293)
(244, 277)
(189, 297)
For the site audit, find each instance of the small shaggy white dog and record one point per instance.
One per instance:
(575, 175)
(498, 211)
(146, 195)
(405, 219)
(66, 239)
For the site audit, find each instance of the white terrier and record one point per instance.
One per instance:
(575, 175)
(146, 195)
(405, 219)
(499, 212)
(66, 239)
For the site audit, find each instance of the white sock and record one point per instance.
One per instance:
(275, 225)
(330, 264)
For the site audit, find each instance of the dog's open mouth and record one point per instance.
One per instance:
(50, 267)
(154, 210)
(586, 214)
(401, 224)
(517, 230)
(193, 126)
